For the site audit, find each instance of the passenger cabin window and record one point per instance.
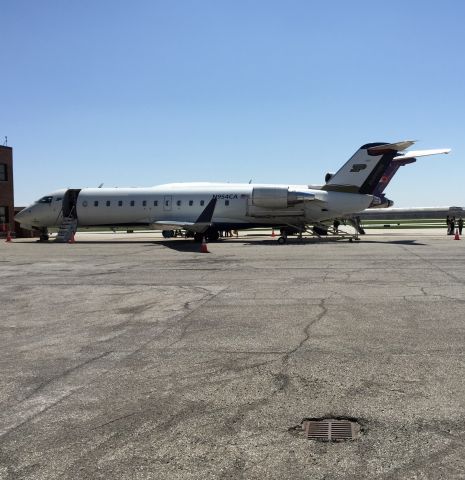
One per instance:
(178, 203)
(167, 203)
(132, 203)
(120, 203)
(144, 203)
(95, 203)
(155, 203)
(226, 202)
(191, 202)
(202, 202)
(45, 200)
(108, 203)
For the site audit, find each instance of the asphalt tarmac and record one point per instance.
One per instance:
(130, 357)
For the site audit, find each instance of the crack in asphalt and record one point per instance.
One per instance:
(435, 266)
(306, 331)
(62, 375)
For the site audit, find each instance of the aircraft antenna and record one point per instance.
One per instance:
(6, 141)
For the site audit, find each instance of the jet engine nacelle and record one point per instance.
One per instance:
(328, 177)
(278, 197)
(381, 202)
(270, 197)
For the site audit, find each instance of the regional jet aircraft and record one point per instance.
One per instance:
(203, 209)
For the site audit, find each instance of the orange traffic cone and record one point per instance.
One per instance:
(203, 246)
(457, 237)
(8, 237)
(71, 239)
(272, 233)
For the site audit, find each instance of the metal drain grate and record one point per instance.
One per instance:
(331, 429)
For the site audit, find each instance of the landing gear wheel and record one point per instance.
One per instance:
(44, 236)
(281, 240)
(167, 233)
(198, 237)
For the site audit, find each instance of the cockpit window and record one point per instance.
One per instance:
(45, 200)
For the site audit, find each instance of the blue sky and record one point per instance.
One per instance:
(139, 93)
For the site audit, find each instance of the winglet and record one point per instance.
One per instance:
(207, 215)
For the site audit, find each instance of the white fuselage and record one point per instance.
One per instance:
(236, 205)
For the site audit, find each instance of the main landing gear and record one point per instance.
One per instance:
(44, 235)
(211, 235)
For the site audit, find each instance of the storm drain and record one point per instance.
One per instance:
(331, 429)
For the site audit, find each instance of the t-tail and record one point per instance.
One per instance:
(364, 170)
(372, 167)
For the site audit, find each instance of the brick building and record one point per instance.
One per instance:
(6, 189)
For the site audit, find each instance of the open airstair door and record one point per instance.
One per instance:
(69, 203)
(69, 223)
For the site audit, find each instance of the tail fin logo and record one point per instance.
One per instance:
(358, 167)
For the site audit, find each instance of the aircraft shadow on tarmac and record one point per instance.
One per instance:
(330, 241)
(397, 242)
(181, 245)
(191, 246)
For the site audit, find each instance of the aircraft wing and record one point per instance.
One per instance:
(421, 153)
(200, 225)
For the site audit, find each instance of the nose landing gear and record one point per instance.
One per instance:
(44, 235)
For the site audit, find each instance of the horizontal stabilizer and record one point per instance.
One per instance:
(398, 147)
(421, 153)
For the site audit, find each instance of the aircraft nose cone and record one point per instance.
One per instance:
(23, 216)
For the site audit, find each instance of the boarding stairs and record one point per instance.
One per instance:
(67, 229)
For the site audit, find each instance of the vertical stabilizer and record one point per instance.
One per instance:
(363, 171)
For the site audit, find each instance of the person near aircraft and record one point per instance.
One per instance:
(460, 225)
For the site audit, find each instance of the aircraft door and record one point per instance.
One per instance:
(69, 203)
(167, 200)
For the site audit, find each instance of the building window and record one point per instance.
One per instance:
(95, 203)
(191, 202)
(132, 203)
(202, 202)
(144, 203)
(226, 202)
(155, 203)
(120, 203)
(3, 172)
(3, 215)
(178, 203)
(108, 203)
